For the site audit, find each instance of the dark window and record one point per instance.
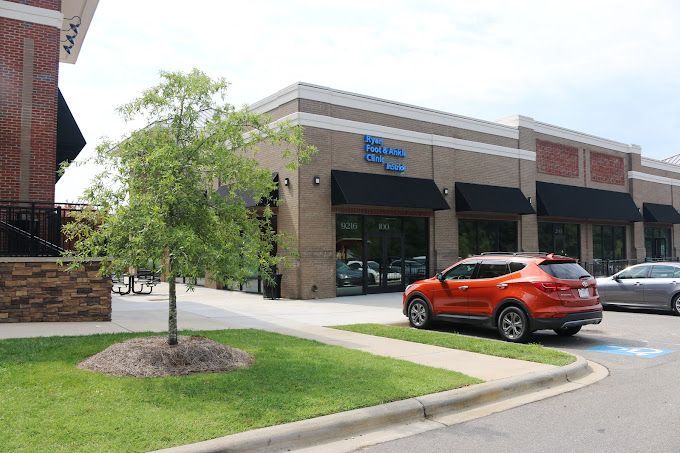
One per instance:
(492, 269)
(609, 242)
(567, 271)
(477, 236)
(658, 242)
(461, 272)
(660, 271)
(634, 272)
(560, 238)
(514, 267)
(349, 274)
(415, 249)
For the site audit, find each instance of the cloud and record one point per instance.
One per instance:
(608, 68)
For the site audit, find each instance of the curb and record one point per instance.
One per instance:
(313, 431)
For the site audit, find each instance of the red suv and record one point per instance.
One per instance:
(514, 293)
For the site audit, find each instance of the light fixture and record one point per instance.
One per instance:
(71, 39)
(317, 180)
(445, 191)
(529, 198)
(74, 27)
(286, 182)
(68, 48)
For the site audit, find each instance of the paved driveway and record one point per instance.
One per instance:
(206, 309)
(635, 409)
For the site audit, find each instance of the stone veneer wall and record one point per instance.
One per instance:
(38, 289)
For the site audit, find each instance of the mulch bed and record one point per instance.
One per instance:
(153, 357)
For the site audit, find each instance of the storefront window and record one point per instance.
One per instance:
(379, 253)
(609, 242)
(477, 236)
(349, 275)
(415, 249)
(658, 241)
(560, 238)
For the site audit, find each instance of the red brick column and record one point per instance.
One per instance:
(29, 66)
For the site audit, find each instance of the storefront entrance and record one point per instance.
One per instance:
(379, 254)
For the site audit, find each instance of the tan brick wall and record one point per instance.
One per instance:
(347, 153)
(364, 116)
(284, 109)
(270, 156)
(651, 192)
(41, 290)
(317, 222)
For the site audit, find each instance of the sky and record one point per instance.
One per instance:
(608, 68)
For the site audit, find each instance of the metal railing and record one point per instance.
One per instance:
(33, 228)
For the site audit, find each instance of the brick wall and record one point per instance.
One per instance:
(556, 159)
(34, 289)
(29, 64)
(607, 169)
(47, 4)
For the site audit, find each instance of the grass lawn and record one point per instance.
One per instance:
(529, 352)
(47, 404)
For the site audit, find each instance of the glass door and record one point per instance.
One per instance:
(384, 263)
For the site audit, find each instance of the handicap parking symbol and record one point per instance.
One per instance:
(646, 353)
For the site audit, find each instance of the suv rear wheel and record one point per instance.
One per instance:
(419, 315)
(513, 325)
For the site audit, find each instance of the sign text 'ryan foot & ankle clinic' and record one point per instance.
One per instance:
(376, 152)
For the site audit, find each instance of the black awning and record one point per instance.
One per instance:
(483, 198)
(559, 200)
(70, 140)
(660, 213)
(249, 199)
(348, 187)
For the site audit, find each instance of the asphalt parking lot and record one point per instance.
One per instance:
(635, 409)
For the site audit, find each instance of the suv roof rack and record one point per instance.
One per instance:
(526, 254)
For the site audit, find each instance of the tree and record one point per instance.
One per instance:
(155, 201)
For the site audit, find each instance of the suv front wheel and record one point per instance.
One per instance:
(513, 325)
(419, 315)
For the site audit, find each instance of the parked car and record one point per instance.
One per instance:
(346, 276)
(649, 285)
(514, 293)
(373, 271)
(412, 269)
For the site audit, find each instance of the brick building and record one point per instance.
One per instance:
(398, 192)
(37, 133)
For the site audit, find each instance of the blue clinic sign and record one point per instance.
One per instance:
(376, 152)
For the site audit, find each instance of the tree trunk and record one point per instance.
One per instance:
(172, 314)
(172, 309)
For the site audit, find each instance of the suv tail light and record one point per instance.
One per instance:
(551, 287)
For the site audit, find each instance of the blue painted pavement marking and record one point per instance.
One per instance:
(646, 353)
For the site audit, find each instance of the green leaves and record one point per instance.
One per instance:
(156, 193)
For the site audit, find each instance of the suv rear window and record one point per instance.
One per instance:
(567, 271)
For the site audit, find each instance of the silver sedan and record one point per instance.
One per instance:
(649, 285)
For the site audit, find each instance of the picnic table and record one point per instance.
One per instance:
(141, 283)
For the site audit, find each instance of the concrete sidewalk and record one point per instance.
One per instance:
(207, 309)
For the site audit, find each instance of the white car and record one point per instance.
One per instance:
(373, 271)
